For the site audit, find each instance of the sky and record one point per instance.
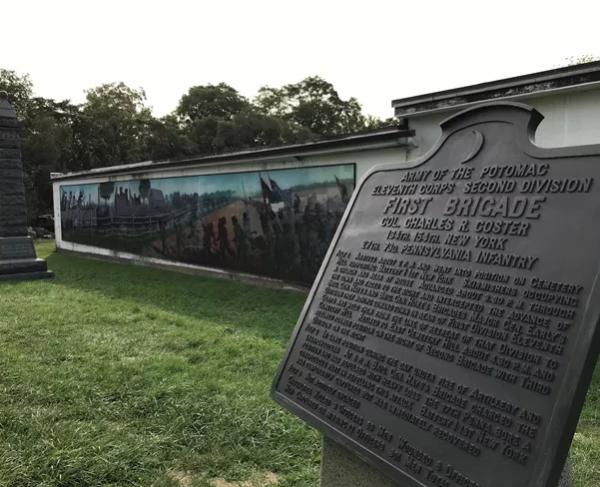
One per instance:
(375, 50)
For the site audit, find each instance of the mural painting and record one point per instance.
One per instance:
(273, 223)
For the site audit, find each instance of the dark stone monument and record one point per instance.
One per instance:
(17, 254)
(451, 334)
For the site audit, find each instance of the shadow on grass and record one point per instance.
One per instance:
(264, 312)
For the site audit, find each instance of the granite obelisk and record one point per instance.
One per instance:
(17, 254)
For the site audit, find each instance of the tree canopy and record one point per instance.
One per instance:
(315, 104)
(114, 126)
(581, 59)
(219, 101)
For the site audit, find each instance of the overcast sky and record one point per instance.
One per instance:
(373, 50)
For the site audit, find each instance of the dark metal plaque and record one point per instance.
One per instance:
(451, 334)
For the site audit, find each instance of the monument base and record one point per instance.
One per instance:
(19, 262)
(341, 468)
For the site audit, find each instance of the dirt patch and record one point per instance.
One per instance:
(267, 479)
(182, 477)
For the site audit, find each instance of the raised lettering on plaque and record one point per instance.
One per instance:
(451, 334)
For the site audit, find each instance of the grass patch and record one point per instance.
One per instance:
(116, 375)
(585, 449)
(120, 375)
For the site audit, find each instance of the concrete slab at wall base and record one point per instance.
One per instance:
(191, 269)
(341, 468)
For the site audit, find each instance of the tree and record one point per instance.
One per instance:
(582, 59)
(256, 129)
(168, 139)
(315, 104)
(219, 101)
(47, 134)
(217, 119)
(248, 128)
(114, 126)
(46, 147)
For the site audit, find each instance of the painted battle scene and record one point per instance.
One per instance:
(273, 223)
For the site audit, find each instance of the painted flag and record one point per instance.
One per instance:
(276, 196)
(266, 190)
(280, 195)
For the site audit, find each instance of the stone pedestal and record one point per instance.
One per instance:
(17, 253)
(341, 468)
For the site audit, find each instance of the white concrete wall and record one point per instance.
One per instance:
(570, 118)
(363, 160)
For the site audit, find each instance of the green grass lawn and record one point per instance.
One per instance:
(123, 375)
